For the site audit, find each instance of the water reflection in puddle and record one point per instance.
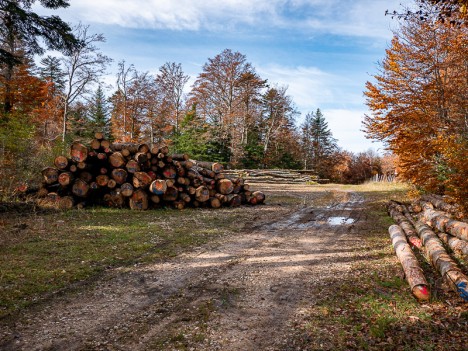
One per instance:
(340, 220)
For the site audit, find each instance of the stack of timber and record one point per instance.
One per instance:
(433, 229)
(274, 176)
(137, 176)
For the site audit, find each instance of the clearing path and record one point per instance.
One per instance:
(243, 294)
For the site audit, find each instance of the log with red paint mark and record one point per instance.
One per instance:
(413, 271)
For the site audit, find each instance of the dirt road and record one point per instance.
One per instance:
(244, 293)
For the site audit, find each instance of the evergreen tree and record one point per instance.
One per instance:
(191, 138)
(98, 113)
(318, 144)
(51, 71)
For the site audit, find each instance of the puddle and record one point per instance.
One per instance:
(340, 220)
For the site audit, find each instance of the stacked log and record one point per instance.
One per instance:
(274, 176)
(137, 176)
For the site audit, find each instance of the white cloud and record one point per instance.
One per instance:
(346, 127)
(305, 84)
(358, 18)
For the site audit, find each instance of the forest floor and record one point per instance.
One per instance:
(312, 269)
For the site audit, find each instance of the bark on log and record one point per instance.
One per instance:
(234, 200)
(407, 226)
(78, 152)
(213, 166)
(442, 261)
(439, 203)
(413, 272)
(259, 196)
(455, 244)
(443, 223)
(180, 157)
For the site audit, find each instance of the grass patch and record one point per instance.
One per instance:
(40, 254)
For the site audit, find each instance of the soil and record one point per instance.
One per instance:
(242, 293)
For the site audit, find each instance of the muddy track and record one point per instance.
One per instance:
(241, 295)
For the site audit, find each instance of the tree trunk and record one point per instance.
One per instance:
(442, 261)
(413, 272)
(444, 223)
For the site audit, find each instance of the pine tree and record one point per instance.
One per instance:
(50, 71)
(318, 144)
(98, 113)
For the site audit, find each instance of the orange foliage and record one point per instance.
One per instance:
(419, 105)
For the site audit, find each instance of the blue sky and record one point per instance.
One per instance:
(323, 50)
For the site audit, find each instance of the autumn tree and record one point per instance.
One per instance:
(279, 138)
(170, 82)
(220, 95)
(24, 33)
(419, 104)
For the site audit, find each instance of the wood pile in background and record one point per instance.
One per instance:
(139, 177)
(439, 236)
(274, 176)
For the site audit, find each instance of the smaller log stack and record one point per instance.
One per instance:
(427, 227)
(137, 176)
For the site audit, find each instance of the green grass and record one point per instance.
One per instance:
(40, 254)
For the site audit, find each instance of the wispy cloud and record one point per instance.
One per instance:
(358, 18)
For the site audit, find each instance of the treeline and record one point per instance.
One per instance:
(230, 114)
(419, 100)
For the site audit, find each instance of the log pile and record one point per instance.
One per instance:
(274, 176)
(438, 235)
(139, 177)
